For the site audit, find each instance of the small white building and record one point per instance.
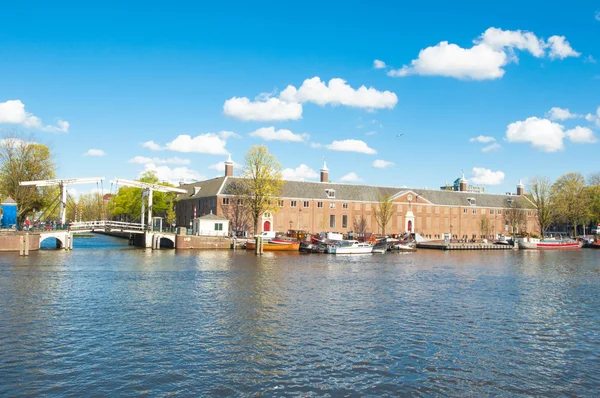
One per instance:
(210, 225)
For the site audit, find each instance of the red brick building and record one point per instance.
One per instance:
(324, 206)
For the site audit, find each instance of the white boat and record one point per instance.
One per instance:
(350, 247)
(555, 244)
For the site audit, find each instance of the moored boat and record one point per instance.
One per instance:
(277, 246)
(350, 247)
(556, 244)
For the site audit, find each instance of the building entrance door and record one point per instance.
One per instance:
(267, 226)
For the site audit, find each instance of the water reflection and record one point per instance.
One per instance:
(106, 318)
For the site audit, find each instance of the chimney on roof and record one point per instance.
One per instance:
(229, 167)
(462, 186)
(324, 172)
(520, 188)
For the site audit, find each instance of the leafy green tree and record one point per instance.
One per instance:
(127, 203)
(570, 199)
(261, 182)
(25, 160)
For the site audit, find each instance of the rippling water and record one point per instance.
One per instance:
(107, 319)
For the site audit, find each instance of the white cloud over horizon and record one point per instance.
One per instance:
(269, 110)
(208, 143)
(94, 152)
(483, 176)
(13, 112)
(484, 139)
(486, 59)
(300, 173)
(351, 177)
(556, 113)
(155, 160)
(153, 146)
(382, 164)
(175, 175)
(270, 134)
(351, 145)
(546, 135)
(378, 64)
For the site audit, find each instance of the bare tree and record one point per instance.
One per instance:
(360, 225)
(515, 216)
(385, 211)
(540, 193)
(484, 225)
(236, 209)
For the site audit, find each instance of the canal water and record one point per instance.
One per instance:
(108, 319)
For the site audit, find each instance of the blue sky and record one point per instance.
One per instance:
(111, 77)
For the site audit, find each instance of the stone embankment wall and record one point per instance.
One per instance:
(202, 242)
(11, 242)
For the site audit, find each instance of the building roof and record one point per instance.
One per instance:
(362, 193)
(213, 217)
(9, 201)
(202, 189)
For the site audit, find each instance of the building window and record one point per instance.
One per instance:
(306, 203)
(319, 204)
(474, 211)
(471, 201)
(292, 203)
(267, 214)
(344, 221)
(281, 203)
(344, 205)
(240, 202)
(331, 221)
(499, 212)
(330, 193)
(218, 226)
(491, 211)
(465, 211)
(225, 201)
(332, 205)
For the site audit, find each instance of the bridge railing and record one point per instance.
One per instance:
(104, 224)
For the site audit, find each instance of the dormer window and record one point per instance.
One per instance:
(330, 193)
(471, 201)
(196, 190)
(509, 201)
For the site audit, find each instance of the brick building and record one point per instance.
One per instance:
(324, 206)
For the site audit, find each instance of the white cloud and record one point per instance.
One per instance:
(581, 135)
(272, 109)
(486, 176)
(484, 139)
(378, 64)
(175, 175)
(72, 192)
(351, 177)
(228, 134)
(13, 112)
(541, 133)
(493, 147)
(315, 145)
(546, 135)
(493, 50)
(338, 92)
(382, 164)
(300, 173)
(590, 59)
(371, 133)
(209, 143)
(153, 146)
(351, 146)
(597, 16)
(560, 114)
(560, 48)
(594, 118)
(147, 160)
(270, 134)
(94, 152)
